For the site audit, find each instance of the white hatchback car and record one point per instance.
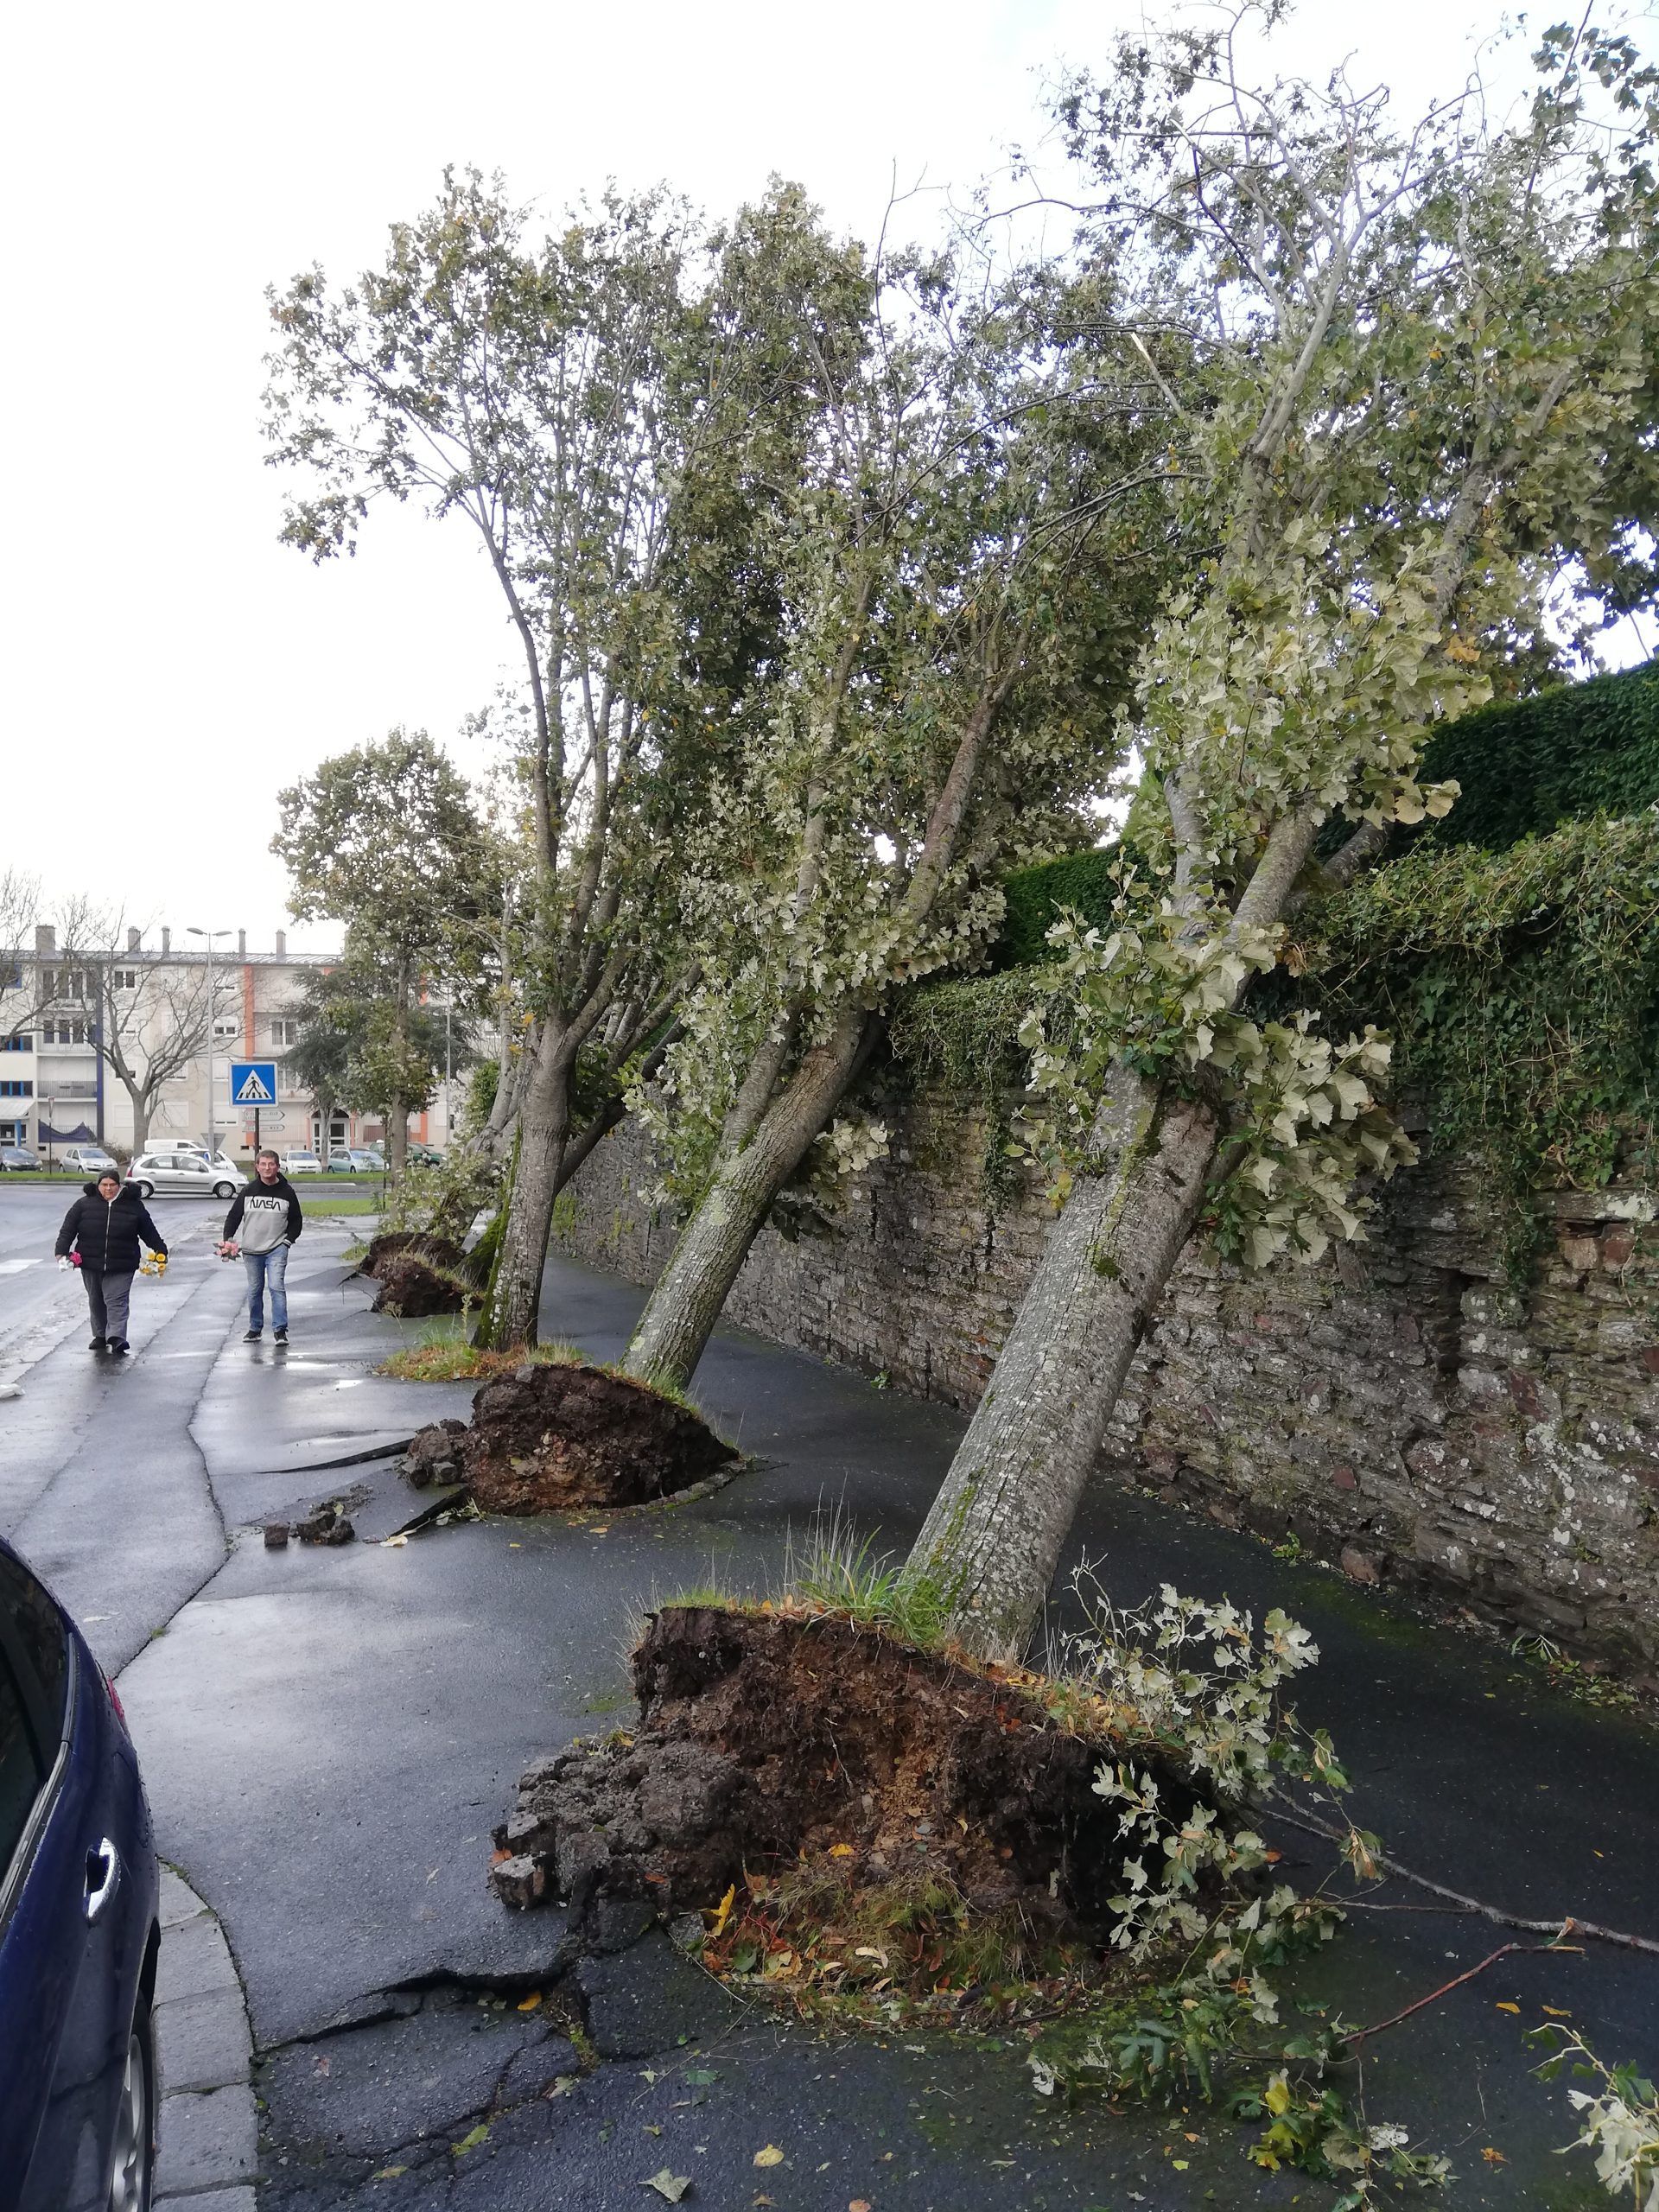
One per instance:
(88, 1160)
(184, 1173)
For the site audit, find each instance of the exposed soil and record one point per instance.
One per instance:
(420, 1273)
(770, 1743)
(555, 1435)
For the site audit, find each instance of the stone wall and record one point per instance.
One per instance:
(1399, 1405)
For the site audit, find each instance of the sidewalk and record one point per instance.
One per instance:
(329, 1735)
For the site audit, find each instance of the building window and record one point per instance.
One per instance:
(126, 979)
(64, 982)
(63, 1032)
(284, 1030)
(16, 1090)
(17, 1044)
(227, 1026)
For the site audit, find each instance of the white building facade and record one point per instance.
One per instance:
(58, 1089)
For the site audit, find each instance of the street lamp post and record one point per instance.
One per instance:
(208, 936)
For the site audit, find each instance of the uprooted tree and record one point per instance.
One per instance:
(610, 411)
(1420, 433)
(970, 559)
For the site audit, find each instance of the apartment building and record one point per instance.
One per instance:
(58, 1087)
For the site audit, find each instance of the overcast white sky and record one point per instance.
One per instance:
(167, 665)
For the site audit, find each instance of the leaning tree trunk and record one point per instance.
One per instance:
(398, 1106)
(515, 1294)
(992, 1541)
(681, 1313)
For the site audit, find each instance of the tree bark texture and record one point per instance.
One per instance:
(515, 1295)
(993, 1539)
(397, 1107)
(681, 1313)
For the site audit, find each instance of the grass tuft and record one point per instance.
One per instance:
(446, 1354)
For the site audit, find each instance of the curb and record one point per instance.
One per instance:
(205, 2123)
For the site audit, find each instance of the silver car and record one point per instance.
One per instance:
(88, 1160)
(184, 1174)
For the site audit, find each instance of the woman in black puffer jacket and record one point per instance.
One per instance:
(103, 1230)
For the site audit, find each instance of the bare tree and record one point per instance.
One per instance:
(39, 939)
(148, 1031)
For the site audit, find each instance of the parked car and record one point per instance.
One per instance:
(80, 1922)
(352, 1160)
(422, 1156)
(302, 1163)
(90, 1159)
(184, 1173)
(19, 1159)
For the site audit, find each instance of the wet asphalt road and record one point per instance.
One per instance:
(327, 1737)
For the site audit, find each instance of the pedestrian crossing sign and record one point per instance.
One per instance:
(253, 1082)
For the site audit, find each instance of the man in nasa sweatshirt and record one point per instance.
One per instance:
(263, 1221)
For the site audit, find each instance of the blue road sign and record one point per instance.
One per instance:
(253, 1082)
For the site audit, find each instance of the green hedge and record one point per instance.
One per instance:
(1035, 895)
(1521, 988)
(1528, 764)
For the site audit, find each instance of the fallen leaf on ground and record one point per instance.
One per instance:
(1558, 2011)
(1494, 2157)
(531, 2002)
(672, 2187)
(394, 1543)
(480, 2134)
(722, 1911)
(859, 2204)
(1503, 2006)
(842, 1851)
(772, 2156)
(389, 2173)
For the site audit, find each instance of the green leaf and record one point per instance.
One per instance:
(670, 2186)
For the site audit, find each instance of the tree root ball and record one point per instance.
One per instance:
(423, 1243)
(420, 1274)
(768, 1740)
(550, 1437)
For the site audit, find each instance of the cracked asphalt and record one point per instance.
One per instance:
(327, 1737)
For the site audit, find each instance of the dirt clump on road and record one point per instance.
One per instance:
(420, 1274)
(558, 1434)
(778, 1750)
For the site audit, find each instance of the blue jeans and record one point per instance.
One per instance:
(264, 1268)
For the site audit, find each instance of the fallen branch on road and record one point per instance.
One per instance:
(1568, 1925)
